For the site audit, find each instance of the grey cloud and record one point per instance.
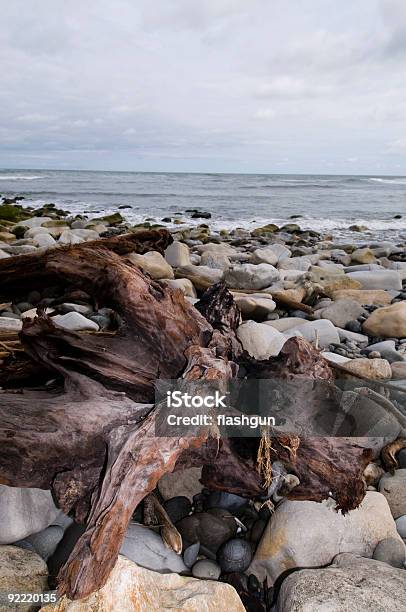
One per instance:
(244, 86)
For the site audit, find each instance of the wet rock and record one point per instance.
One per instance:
(234, 555)
(261, 341)
(393, 487)
(146, 548)
(391, 551)
(350, 583)
(311, 534)
(387, 322)
(206, 570)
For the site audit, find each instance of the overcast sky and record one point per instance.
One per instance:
(204, 85)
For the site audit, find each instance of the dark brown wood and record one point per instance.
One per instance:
(21, 274)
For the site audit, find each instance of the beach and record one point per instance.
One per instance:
(97, 306)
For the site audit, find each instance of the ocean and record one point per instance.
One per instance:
(326, 203)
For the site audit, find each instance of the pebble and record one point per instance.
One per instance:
(74, 321)
(401, 526)
(227, 501)
(206, 570)
(191, 553)
(391, 551)
(45, 542)
(234, 555)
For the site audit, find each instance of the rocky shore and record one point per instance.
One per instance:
(190, 546)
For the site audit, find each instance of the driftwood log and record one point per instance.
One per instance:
(92, 440)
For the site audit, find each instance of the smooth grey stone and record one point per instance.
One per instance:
(228, 501)
(391, 551)
(45, 542)
(401, 526)
(234, 555)
(24, 511)
(378, 279)
(385, 345)
(146, 548)
(191, 553)
(206, 570)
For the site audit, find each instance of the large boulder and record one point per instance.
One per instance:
(387, 322)
(310, 534)
(350, 583)
(24, 511)
(131, 588)
(393, 486)
(260, 340)
(153, 264)
(250, 276)
(21, 571)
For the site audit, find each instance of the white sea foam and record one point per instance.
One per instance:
(19, 177)
(388, 181)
